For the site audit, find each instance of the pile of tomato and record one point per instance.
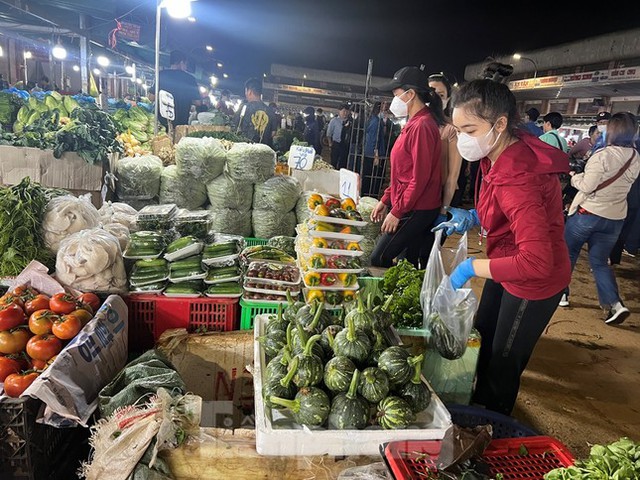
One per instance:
(34, 328)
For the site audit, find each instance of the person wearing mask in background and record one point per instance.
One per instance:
(224, 104)
(530, 124)
(598, 211)
(412, 201)
(374, 148)
(334, 136)
(520, 207)
(255, 119)
(602, 119)
(311, 130)
(552, 122)
(584, 146)
(182, 85)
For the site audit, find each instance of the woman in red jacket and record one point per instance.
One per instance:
(412, 201)
(520, 207)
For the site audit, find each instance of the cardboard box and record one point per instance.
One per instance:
(214, 366)
(70, 172)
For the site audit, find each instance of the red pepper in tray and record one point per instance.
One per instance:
(328, 279)
(336, 261)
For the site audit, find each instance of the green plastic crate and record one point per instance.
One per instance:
(252, 242)
(249, 310)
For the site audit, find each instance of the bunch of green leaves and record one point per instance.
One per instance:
(41, 133)
(22, 207)
(619, 460)
(401, 287)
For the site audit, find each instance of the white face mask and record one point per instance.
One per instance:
(475, 148)
(398, 107)
(602, 128)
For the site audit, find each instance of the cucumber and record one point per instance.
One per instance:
(150, 263)
(181, 289)
(133, 251)
(181, 243)
(231, 288)
(144, 276)
(192, 262)
(186, 273)
(217, 273)
(152, 287)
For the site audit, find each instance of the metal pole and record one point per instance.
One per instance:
(84, 55)
(26, 78)
(157, 72)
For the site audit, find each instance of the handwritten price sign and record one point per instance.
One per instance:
(349, 184)
(301, 158)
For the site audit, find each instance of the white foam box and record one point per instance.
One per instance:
(278, 435)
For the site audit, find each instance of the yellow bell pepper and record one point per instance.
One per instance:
(315, 295)
(354, 246)
(347, 279)
(348, 204)
(314, 200)
(320, 243)
(312, 279)
(321, 210)
(318, 261)
(348, 296)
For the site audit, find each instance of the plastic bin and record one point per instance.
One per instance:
(249, 309)
(252, 242)
(503, 425)
(34, 451)
(150, 315)
(416, 459)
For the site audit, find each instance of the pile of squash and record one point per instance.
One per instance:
(340, 374)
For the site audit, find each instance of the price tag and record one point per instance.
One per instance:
(167, 105)
(349, 184)
(301, 157)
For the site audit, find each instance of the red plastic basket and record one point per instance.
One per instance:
(413, 459)
(150, 315)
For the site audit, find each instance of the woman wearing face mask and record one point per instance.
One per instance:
(519, 204)
(412, 201)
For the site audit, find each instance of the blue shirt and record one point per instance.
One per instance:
(334, 130)
(532, 128)
(374, 139)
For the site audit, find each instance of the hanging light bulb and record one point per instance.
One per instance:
(59, 52)
(129, 69)
(103, 61)
(76, 68)
(96, 71)
(178, 8)
(27, 55)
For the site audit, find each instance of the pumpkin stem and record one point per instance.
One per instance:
(289, 336)
(361, 307)
(280, 312)
(290, 298)
(353, 386)
(308, 348)
(417, 365)
(293, 368)
(316, 318)
(302, 334)
(293, 405)
(330, 337)
(351, 329)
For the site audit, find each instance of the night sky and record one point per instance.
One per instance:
(342, 35)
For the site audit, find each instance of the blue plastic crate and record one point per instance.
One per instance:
(503, 426)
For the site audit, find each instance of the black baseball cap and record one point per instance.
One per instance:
(533, 113)
(411, 77)
(603, 116)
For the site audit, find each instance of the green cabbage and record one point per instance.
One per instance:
(280, 194)
(224, 192)
(202, 158)
(270, 223)
(251, 162)
(181, 189)
(138, 177)
(234, 222)
(371, 230)
(303, 212)
(367, 245)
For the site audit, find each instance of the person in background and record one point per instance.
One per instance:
(255, 119)
(276, 114)
(602, 119)
(441, 84)
(552, 122)
(3, 83)
(584, 146)
(374, 149)
(334, 136)
(598, 210)
(311, 130)
(181, 84)
(520, 208)
(530, 124)
(224, 105)
(320, 118)
(412, 201)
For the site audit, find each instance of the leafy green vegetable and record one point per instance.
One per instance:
(401, 287)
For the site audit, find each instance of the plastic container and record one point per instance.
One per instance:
(335, 251)
(196, 223)
(250, 308)
(503, 425)
(193, 249)
(222, 280)
(157, 217)
(150, 315)
(253, 242)
(273, 268)
(294, 293)
(339, 221)
(411, 459)
(199, 276)
(351, 237)
(221, 261)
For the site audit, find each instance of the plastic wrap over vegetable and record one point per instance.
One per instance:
(138, 177)
(66, 215)
(367, 245)
(91, 261)
(251, 162)
(279, 194)
(224, 192)
(182, 189)
(235, 222)
(121, 232)
(303, 212)
(117, 212)
(268, 223)
(365, 207)
(202, 158)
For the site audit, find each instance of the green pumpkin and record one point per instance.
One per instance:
(279, 365)
(293, 306)
(273, 342)
(415, 391)
(299, 338)
(380, 344)
(397, 364)
(277, 322)
(374, 385)
(394, 413)
(310, 407)
(352, 343)
(328, 337)
(349, 410)
(311, 320)
(338, 373)
(362, 318)
(280, 386)
(310, 366)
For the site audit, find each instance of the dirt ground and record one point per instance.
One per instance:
(582, 384)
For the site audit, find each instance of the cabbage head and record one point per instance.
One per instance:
(280, 194)
(202, 158)
(224, 192)
(234, 222)
(269, 223)
(138, 177)
(182, 189)
(303, 212)
(251, 162)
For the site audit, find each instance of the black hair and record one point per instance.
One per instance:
(44, 79)
(488, 100)
(319, 110)
(177, 56)
(254, 84)
(622, 129)
(554, 118)
(533, 114)
(225, 93)
(592, 129)
(344, 106)
(439, 77)
(496, 71)
(376, 109)
(432, 99)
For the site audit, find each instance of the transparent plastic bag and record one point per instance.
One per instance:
(66, 215)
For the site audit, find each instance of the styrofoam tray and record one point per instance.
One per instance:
(192, 249)
(214, 260)
(333, 288)
(222, 295)
(143, 257)
(222, 280)
(336, 270)
(339, 221)
(143, 283)
(182, 295)
(146, 292)
(270, 281)
(280, 436)
(268, 302)
(334, 251)
(337, 236)
(293, 293)
(199, 276)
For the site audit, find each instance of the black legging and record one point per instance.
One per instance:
(509, 328)
(413, 234)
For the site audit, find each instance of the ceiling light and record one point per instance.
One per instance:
(1, 51)
(76, 68)
(203, 89)
(96, 71)
(145, 86)
(27, 55)
(220, 65)
(139, 81)
(209, 48)
(130, 69)
(517, 56)
(191, 19)
(59, 52)
(264, 75)
(178, 8)
(103, 61)
(214, 80)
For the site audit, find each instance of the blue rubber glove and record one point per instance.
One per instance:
(461, 221)
(442, 218)
(462, 273)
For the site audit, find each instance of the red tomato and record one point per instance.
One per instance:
(38, 364)
(39, 302)
(25, 292)
(91, 299)
(62, 303)
(9, 298)
(11, 316)
(41, 322)
(7, 367)
(43, 347)
(66, 327)
(84, 315)
(16, 383)
(14, 341)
